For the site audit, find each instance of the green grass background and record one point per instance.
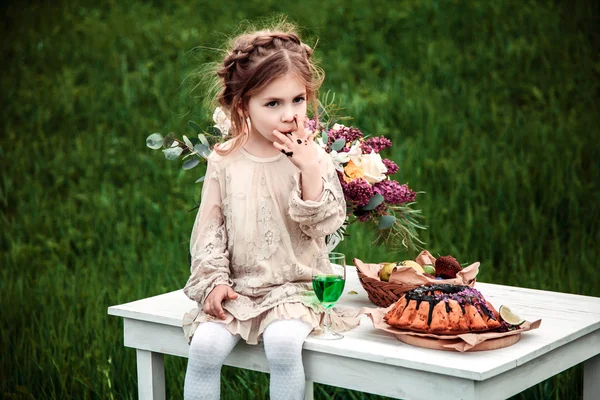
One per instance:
(492, 107)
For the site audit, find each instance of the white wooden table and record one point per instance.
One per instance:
(373, 361)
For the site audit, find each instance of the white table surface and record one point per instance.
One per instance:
(373, 361)
(565, 317)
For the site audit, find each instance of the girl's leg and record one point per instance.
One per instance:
(283, 346)
(211, 344)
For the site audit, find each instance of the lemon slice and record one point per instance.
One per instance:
(510, 317)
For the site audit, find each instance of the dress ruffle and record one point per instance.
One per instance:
(251, 330)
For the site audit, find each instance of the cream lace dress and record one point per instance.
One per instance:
(254, 233)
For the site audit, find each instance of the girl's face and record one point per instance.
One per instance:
(274, 107)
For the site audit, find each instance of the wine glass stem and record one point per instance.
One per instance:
(327, 321)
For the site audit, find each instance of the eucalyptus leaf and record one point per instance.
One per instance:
(386, 221)
(214, 131)
(325, 136)
(195, 126)
(201, 179)
(191, 163)
(154, 141)
(172, 153)
(203, 140)
(338, 145)
(187, 142)
(376, 200)
(168, 141)
(202, 150)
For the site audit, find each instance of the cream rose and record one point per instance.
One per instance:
(373, 167)
(221, 121)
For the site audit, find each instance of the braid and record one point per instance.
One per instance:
(307, 50)
(243, 51)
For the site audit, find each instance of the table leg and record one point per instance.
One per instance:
(591, 378)
(151, 375)
(309, 391)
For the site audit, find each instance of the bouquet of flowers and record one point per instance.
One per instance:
(371, 195)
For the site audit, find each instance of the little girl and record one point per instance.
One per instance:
(270, 197)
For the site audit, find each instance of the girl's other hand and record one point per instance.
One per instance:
(213, 306)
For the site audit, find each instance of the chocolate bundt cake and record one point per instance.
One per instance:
(443, 309)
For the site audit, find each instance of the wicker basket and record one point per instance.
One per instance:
(403, 280)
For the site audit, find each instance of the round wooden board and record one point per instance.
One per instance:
(438, 344)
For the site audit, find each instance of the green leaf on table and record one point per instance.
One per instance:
(195, 126)
(169, 140)
(386, 221)
(338, 145)
(376, 200)
(191, 163)
(173, 153)
(154, 141)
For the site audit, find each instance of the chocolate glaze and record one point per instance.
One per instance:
(435, 293)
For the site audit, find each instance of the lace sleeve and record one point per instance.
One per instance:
(208, 243)
(326, 214)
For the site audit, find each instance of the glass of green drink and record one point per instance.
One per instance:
(328, 279)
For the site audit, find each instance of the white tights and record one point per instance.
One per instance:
(212, 343)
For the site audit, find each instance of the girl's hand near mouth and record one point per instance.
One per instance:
(298, 146)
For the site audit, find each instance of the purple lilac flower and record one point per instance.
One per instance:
(391, 166)
(358, 192)
(376, 144)
(394, 193)
(349, 134)
(312, 125)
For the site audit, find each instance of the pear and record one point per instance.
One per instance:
(386, 271)
(414, 265)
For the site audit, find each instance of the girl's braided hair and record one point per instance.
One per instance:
(253, 61)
